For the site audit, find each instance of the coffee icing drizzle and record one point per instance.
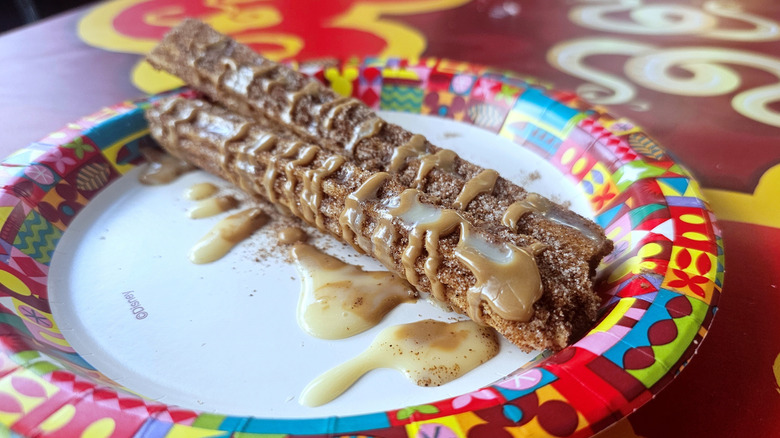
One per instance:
(268, 76)
(535, 203)
(507, 278)
(482, 183)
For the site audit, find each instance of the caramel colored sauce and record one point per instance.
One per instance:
(508, 279)
(415, 147)
(429, 353)
(169, 108)
(226, 234)
(271, 84)
(339, 300)
(311, 194)
(200, 191)
(161, 168)
(532, 203)
(482, 183)
(383, 241)
(271, 173)
(311, 87)
(367, 129)
(340, 107)
(443, 159)
(290, 235)
(212, 206)
(535, 203)
(261, 143)
(305, 157)
(351, 219)
(428, 224)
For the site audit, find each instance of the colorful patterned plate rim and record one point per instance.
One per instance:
(661, 285)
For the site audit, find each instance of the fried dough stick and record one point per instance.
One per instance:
(513, 282)
(239, 79)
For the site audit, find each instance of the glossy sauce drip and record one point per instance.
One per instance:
(367, 129)
(429, 353)
(271, 173)
(226, 234)
(200, 191)
(290, 235)
(162, 168)
(311, 194)
(263, 143)
(339, 300)
(351, 218)
(230, 133)
(443, 159)
(482, 183)
(249, 160)
(339, 107)
(168, 108)
(305, 157)
(415, 147)
(312, 87)
(427, 225)
(229, 66)
(507, 277)
(237, 79)
(535, 203)
(383, 240)
(273, 83)
(212, 206)
(202, 48)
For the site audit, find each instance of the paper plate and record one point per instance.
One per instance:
(660, 285)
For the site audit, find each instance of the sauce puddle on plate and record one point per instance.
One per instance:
(212, 206)
(200, 191)
(162, 168)
(429, 353)
(339, 300)
(226, 234)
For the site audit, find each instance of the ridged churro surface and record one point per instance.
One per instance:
(318, 185)
(508, 258)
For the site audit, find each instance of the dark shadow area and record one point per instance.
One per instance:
(15, 13)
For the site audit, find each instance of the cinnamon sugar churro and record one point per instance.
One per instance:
(509, 259)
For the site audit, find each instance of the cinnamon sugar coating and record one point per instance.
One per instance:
(254, 97)
(226, 144)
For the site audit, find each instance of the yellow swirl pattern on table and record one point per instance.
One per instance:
(709, 71)
(650, 66)
(776, 370)
(758, 208)
(401, 40)
(671, 19)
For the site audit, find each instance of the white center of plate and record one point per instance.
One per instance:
(223, 337)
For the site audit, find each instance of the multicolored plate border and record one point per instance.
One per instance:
(661, 285)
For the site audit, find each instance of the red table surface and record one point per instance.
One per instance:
(725, 129)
